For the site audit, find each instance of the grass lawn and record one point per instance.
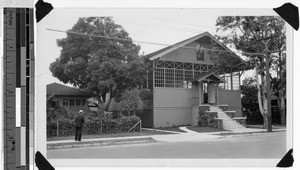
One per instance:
(111, 135)
(204, 129)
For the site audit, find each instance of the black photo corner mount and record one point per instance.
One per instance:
(287, 160)
(289, 13)
(42, 9)
(42, 163)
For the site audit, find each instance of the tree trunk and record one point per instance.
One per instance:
(258, 92)
(266, 121)
(107, 101)
(281, 104)
(281, 107)
(262, 100)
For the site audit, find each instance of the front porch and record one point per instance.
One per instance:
(218, 117)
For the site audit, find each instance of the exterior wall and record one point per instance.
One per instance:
(172, 107)
(232, 98)
(187, 55)
(73, 110)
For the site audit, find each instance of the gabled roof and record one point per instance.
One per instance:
(166, 50)
(209, 76)
(63, 90)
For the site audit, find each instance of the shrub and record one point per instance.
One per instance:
(93, 126)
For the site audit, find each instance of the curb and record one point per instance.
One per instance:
(99, 143)
(247, 133)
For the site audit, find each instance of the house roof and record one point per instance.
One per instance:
(209, 76)
(166, 50)
(63, 90)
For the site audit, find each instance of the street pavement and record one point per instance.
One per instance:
(271, 145)
(246, 143)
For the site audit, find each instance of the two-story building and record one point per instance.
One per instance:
(183, 76)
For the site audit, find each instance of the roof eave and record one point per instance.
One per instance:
(176, 46)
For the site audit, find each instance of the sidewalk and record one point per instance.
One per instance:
(188, 135)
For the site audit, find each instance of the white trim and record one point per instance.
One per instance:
(192, 40)
(177, 46)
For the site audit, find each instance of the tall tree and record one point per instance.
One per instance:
(249, 35)
(99, 55)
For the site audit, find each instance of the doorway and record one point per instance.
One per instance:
(209, 93)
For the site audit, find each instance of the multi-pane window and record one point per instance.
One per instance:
(83, 102)
(177, 74)
(228, 84)
(78, 102)
(65, 102)
(159, 78)
(200, 54)
(235, 82)
(188, 75)
(179, 79)
(71, 102)
(169, 77)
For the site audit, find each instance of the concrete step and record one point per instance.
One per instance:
(228, 122)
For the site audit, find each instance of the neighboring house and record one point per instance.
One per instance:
(182, 78)
(72, 99)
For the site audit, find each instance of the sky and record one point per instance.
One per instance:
(155, 25)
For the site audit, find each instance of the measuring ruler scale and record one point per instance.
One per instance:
(18, 87)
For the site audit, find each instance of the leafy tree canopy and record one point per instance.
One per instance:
(247, 34)
(102, 65)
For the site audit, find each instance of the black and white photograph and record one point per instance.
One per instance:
(163, 87)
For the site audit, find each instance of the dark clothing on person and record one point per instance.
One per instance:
(78, 133)
(79, 121)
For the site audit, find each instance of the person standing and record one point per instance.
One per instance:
(79, 121)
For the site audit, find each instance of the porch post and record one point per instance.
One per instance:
(200, 93)
(231, 80)
(217, 94)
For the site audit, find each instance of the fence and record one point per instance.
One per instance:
(95, 126)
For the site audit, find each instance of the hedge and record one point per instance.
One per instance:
(93, 126)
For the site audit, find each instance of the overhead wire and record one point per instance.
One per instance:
(145, 42)
(196, 30)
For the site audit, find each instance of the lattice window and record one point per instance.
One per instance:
(210, 67)
(204, 68)
(197, 66)
(178, 65)
(160, 63)
(159, 78)
(179, 78)
(188, 75)
(169, 77)
(188, 66)
(169, 64)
